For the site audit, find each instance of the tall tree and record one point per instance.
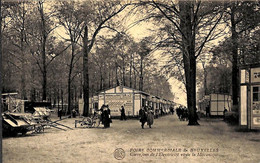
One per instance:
(144, 51)
(104, 12)
(193, 24)
(15, 23)
(243, 16)
(71, 20)
(46, 28)
(1, 80)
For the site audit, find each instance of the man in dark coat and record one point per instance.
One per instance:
(207, 111)
(59, 113)
(106, 120)
(122, 113)
(143, 117)
(224, 113)
(172, 110)
(178, 112)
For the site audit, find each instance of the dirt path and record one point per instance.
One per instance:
(169, 140)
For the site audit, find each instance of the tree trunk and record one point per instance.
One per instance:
(141, 74)
(44, 39)
(1, 109)
(23, 85)
(130, 73)
(117, 81)
(235, 81)
(205, 78)
(192, 106)
(134, 75)
(85, 73)
(75, 96)
(101, 79)
(205, 82)
(69, 81)
(123, 81)
(62, 100)
(189, 59)
(109, 77)
(58, 99)
(112, 78)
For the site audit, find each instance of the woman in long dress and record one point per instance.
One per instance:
(150, 117)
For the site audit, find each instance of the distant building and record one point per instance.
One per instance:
(130, 98)
(216, 103)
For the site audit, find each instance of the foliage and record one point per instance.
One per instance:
(111, 52)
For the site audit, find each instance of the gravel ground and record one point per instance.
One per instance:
(169, 140)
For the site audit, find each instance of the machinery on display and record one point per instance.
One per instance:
(20, 116)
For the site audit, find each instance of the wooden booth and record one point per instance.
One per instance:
(249, 110)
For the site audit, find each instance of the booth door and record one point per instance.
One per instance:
(255, 113)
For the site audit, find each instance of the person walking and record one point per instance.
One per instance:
(122, 113)
(150, 118)
(106, 119)
(172, 110)
(143, 117)
(208, 111)
(59, 112)
(74, 112)
(224, 113)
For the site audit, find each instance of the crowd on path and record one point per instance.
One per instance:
(182, 113)
(146, 114)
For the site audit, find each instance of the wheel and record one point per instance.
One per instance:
(87, 122)
(39, 129)
(96, 122)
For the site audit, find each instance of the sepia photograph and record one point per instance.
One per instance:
(130, 81)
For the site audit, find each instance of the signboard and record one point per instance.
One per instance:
(115, 101)
(255, 75)
(244, 76)
(256, 121)
(256, 100)
(255, 106)
(137, 96)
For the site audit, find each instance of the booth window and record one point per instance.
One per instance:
(143, 102)
(256, 93)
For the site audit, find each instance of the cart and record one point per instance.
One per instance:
(15, 123)
(89, 122)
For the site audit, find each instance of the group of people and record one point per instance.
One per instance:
(146, 114)
(74, 113)
(182, 113)
(105, 116)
